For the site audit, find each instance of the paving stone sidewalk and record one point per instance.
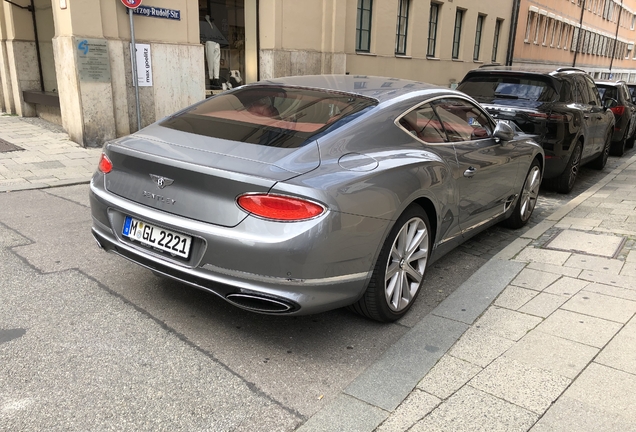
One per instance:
(541, 338)
(45, 156)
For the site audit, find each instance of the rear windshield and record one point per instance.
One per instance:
(271, 116)
(488, 88)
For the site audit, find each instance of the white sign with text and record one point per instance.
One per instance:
(144, 65)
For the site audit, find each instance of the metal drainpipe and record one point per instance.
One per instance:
(31, 8)
(514, 21)
(578, 40)
(258, 40)
(618, 24)
(37, 46)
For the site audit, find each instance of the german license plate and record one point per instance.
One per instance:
(156, 237)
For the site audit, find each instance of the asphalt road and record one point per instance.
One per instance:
(91, 341)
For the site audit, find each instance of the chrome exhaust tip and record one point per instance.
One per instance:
(258, 303)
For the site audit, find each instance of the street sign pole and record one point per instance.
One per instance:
(134, 65)
(134, 4)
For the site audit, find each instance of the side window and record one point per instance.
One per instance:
(626, 95)
(595, 98)
(424, 124)
(582, 93)
(462, 120)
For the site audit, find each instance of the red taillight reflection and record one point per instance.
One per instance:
(105, 165)
(550, 117)
(618, 110)
(278, 207)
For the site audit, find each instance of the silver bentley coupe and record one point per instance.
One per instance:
(302, 194)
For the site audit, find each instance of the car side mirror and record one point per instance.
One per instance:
(503, 131)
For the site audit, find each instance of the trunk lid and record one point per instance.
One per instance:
(199, 177)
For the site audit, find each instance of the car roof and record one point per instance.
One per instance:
(610, 82)
(530, 68)
(376, 87)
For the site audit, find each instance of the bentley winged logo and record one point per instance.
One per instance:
(161, 182)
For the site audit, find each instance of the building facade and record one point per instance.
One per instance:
(70, 61)
(595, 35)
(436, 42)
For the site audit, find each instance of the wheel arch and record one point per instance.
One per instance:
(431, 212)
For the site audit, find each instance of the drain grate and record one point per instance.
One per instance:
(6, 146)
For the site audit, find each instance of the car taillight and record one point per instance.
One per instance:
(105, 165)
(279, 207)
(618, 110)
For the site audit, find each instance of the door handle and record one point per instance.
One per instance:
(470, 172)
(586, 116)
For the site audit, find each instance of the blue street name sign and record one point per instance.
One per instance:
(156, 12)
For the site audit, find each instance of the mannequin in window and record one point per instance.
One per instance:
(213, 55)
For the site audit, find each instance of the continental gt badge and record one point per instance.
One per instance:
(161, 182)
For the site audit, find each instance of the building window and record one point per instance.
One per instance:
(631, 27)
(531, 17)
(553, 28)
(559, 33)
(432, 29)
(566, 35)
(363, 26)
(546, 30)
(575, 38)
(457, 34)
(540, 22)
(495, 43)
(478, 32)
(402, 27)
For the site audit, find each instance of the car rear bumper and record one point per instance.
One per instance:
(314, 283)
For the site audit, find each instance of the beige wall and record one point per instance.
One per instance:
(18, 65)
(301, 37)
(96, 112)
(46, 31)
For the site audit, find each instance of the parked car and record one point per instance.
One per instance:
(632, 91)
(616, 95)
(303, 194)
(561, 107)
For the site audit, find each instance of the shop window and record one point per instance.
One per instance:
(222, 30)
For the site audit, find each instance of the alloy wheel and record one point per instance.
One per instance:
(574, 168)
(530, 193)
(407, 264)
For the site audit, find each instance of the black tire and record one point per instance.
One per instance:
(527, 198)
(565, 182)
(619, 148)
(601, 160)
(385, 299)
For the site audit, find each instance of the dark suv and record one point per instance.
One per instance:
(562, 107)
(616, 95)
